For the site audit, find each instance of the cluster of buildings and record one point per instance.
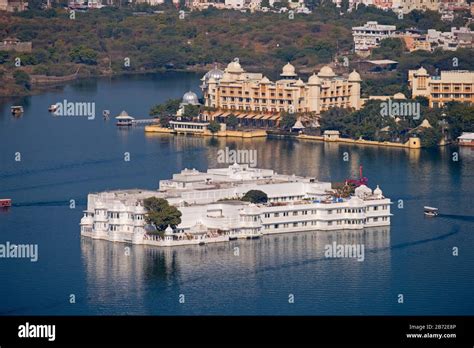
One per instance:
(212, 209)
(433, 39)
(402, 7)
(236, 89)
(456, 85)
(258, 103)
(14, 44)
(297, 6)
(370, 35)
(87, 4)
(13, 5)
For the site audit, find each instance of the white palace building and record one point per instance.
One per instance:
(213, 212)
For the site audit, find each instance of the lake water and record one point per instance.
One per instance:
(65, 158)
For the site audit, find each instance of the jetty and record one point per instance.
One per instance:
(125, 120)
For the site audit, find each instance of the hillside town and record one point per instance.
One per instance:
(322, 98)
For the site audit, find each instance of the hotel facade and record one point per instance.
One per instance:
(456, 85)
(370, 35)
(236, 89)
(213, 212)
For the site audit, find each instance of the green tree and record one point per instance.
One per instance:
(191, 111)
(336, 119)
(460, 117)
(161, 214)
(3, 57)
(287, 120)
(214, 127)
(389, 48)
(430, 137)
(255, 196)
(231, 121)
(84, 55)
(170, 107)
(22, 79)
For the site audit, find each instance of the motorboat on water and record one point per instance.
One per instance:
(16, 110)
(5, 202)
(53, 107)
(431, 211)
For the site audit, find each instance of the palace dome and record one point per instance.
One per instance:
(234, 67)
(215, 73)
(288, 71)
(299, 83)
(169, 230)
(314, 80)
(265, 80)
(354, 77)
(422, 72)
(362, 191)
(190, 98)
(326, 72)
(378, 192)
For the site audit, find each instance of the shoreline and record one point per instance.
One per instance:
(411, 144)
(56, 82)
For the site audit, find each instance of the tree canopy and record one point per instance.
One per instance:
(214, 127)
(255, 196)
(161, 214)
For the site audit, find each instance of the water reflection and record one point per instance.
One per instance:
(112, 275)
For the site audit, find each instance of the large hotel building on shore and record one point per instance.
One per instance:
(456, 85)
(236, 89)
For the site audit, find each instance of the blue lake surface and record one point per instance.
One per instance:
(64, 158)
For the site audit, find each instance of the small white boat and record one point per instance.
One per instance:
(53, 107)
(16, 110)
(431, 211)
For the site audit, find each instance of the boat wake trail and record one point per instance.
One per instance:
(453, 231)
(468, 218)
(47, 204)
